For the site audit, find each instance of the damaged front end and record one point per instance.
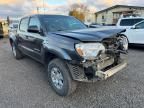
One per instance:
(109, 58)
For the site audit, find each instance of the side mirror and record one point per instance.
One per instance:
(33, 29)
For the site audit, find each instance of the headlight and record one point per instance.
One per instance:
(89, 50)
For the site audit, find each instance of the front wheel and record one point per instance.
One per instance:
(60, 79)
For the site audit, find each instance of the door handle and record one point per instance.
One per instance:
(30, 38)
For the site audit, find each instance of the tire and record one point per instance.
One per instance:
(16, 53)
(65, 85)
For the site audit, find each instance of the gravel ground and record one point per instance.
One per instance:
(24, 84)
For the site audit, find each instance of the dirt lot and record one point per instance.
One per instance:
(24, 84)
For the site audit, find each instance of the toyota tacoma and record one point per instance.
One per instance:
(69, 50)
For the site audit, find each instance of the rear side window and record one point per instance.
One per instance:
(129, 22)
(24, 24)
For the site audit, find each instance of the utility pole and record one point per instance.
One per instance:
(8, 20)
(44, 6)
(36, 7)
(37, 10)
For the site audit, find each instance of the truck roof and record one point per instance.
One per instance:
(45, 15)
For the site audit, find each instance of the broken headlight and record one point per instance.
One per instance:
(89, 51)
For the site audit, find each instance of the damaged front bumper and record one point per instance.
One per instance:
(90, 74)
(103, 75)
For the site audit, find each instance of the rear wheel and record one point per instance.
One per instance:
(60, 79)
(16, 53)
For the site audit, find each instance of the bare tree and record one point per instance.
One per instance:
(78, 11)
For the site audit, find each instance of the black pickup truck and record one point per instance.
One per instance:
(70, 51)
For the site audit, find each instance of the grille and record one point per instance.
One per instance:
(76, 71)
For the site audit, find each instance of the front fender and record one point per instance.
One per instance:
(62, 47)
(61, 53)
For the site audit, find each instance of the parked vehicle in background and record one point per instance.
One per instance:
(1, 30)
(135, 34)
(128, 22)
(70, 51)
(13, 28)
(134, 28)
(123, 23)
(95, 25)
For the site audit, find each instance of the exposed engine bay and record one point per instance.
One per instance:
(115, 53)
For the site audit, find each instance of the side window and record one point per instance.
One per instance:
(24, 24)
(34, 22)
(140, 26)
(129, 22)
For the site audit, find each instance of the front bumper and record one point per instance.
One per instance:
(78, 72)
(106, 74)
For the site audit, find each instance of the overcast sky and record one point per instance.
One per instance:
(17, 8)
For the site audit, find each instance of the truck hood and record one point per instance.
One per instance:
(97, 34)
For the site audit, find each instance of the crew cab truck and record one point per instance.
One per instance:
(70, 51)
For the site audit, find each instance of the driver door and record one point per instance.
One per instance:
(34, 40)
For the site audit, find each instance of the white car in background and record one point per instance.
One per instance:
(13, 28)
(128, 22)
(134, 28)
(135, 34)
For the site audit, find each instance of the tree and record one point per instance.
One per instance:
(78, 11)
(77, 14)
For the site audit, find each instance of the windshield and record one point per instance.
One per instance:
(129, 22)
(62, 23)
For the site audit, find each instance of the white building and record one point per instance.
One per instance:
(89, 18)
(112, 14)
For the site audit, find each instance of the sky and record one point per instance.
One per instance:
(18, 8)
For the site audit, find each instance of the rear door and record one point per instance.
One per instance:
(22, 35)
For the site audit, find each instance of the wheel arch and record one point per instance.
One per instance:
(49, 55)
(122, 34)
(11, 41)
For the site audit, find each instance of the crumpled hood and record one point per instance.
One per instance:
(97, 34)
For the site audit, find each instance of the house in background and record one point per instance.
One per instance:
(112, 14)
